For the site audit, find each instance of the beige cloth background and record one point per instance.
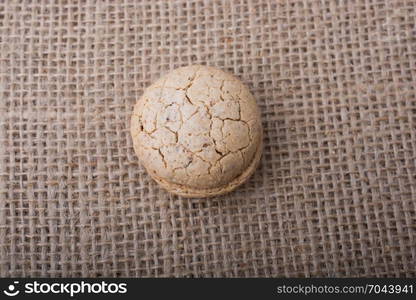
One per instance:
(335, 194)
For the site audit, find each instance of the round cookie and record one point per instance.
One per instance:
(197, 131)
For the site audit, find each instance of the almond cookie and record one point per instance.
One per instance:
(197, 131)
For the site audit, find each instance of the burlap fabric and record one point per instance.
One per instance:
(335, 194)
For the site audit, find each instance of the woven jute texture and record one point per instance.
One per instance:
(335, 194)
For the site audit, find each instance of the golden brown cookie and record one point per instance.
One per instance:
(197, 131)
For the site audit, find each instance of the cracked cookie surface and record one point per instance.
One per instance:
(197, 131)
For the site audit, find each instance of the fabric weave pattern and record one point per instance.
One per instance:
(335, 194)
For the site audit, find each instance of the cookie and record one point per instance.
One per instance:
(197, 131)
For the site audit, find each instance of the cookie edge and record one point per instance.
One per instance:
(185, 191)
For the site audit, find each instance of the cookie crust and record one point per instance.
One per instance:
(197, 131)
